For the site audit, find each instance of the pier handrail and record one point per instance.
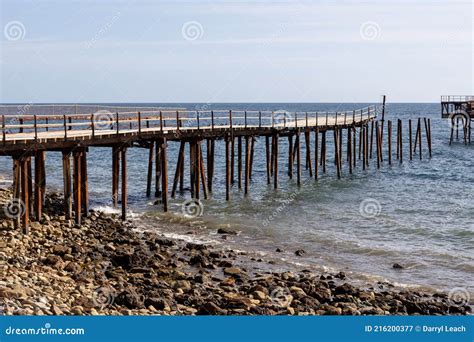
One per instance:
(22, 127)
(457, 98)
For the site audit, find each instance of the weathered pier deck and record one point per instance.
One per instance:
(460, 110)
(27, 137)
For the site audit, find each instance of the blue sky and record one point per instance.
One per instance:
(235, 51)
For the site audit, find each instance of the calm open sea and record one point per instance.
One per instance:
(418, 214)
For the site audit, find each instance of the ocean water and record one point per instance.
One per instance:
(418, 214)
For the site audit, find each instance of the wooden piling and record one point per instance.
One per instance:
(123, 157)
(150, 169)
(17, 172)
(247, 164)
(377, 137)
(232, 159)
(367, 145)
(323, 151)
(77, 187)
(428, 136)
(340, 139)
(337, 152)
(84, 183)
(389, 141)
(252, 149)
(39, 184)
(290, 156)
(316, 157)
(25, 195)
(164, 173)
(157, 168)
(66, 158)
(227, 168)
(401, 140)
(205, 189)
(239, 161)
(309, 165)
(30, 184)
(267, 158)
(419, 138)
(179, 166)
(210, 163)
(363, 147)
(416, 135)
(371, 139)
(275, 161)
(197, 170)
(298, 158)
(410, 138)
(361, 138)
(349, 149)
(354, 145)
(192, 163)
(115, 174)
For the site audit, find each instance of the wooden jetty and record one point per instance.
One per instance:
(460, 110)
(27, 137)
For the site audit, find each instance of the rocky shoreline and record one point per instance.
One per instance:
(107, 267)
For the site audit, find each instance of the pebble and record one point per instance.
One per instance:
(106, 267)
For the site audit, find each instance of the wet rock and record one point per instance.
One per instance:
(397, 266)
(226, 231)
(233, 271)
(61, 250)
(300, 252)
(198, 259)
(130, 299)
(158, 303)
(210, 308)
(346, 289)
(54, 261)
(123, 260)
(72, 267)
(259, 295)
(331, 310)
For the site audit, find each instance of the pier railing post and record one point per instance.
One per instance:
(139, 122)
(65, 126)
(117, 121)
